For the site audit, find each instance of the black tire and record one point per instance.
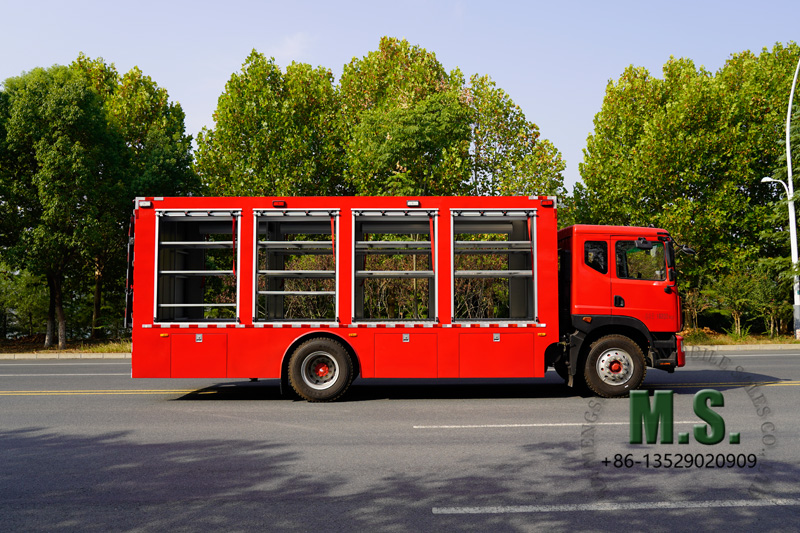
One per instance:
(320, 370)
(614, 367)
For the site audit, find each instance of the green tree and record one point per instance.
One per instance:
(23, 303)
(397, 124)
(406, 123)
(77, 144)
(414, 150)
(687, 153)
(156, 162)
(769, 290)
(275, 133)
(508, 155)
(59, 157)
(733, 295)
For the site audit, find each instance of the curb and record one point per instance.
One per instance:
(63, 355)
(742, 347)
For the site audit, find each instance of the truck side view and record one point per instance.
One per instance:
(316, 291)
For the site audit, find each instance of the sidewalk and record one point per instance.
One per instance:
(743, 347)
(63, 355)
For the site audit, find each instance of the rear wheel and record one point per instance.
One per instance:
(320, 370)
(615, 366)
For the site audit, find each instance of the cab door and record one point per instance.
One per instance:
(640, 287)
(591, 280)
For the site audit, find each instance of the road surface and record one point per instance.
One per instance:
(85, 448)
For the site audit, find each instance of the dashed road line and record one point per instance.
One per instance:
(610, 506)
(541, 425)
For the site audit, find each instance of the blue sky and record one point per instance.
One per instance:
(553, 58)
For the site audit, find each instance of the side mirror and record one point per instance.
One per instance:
(685, 249)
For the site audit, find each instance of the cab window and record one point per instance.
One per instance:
(595, 255)
(638, 262)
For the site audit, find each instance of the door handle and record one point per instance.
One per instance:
(619, 301)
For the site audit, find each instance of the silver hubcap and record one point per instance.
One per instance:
(320, 370)
(615, 366)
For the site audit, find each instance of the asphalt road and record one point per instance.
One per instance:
(85, 448)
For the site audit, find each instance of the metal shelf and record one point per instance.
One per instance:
(487, 247)
(300, 274)
(493, 274)
(197, 305)
(219, 245)
(393, 247)
(196, 272)
(296, 245)
(298, 293)
(411, 274)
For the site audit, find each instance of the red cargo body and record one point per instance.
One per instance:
(177, 334)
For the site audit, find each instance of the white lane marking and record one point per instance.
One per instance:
(51, 375)
(609, 506)
(543, 425)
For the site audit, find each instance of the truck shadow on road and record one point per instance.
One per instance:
(690, 381)
(396, 389)
(551, 386)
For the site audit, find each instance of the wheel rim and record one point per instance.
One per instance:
(615, 366)
(320, 370)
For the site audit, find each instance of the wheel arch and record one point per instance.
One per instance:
(625, 330)
(309, 336)
(588, 332)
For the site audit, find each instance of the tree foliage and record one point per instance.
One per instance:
(159, 152)
(687, 152)
(60, 159)
(508, 155)
(406, 123)
(275, 133)
(23, 303)
(156, 161)
(396, 124)
(77, 144)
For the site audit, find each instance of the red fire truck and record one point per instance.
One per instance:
(316, 291)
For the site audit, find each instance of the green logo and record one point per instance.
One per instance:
(660, 413)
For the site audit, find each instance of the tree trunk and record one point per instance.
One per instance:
(98, 283)
(737, 323)
(62, 320)
(49, 338)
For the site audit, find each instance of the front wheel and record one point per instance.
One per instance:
(320, 370)
(615, 366)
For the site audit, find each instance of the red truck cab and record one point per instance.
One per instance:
(619, 307)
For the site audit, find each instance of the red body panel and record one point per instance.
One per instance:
(439, 347)
(496, 355)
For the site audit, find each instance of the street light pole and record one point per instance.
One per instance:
(789, 187)
(790, 193)
(793, 239)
